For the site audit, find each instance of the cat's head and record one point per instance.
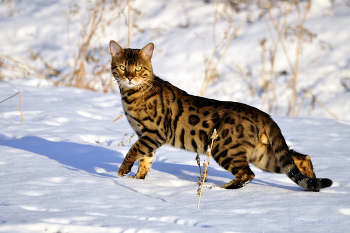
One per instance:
(131, 67)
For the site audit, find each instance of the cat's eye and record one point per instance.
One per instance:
(138, 68)
(122, 67)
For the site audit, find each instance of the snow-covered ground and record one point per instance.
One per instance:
(59, 174)
(179, 51)
(59, 169)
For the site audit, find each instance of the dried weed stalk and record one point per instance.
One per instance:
(20, 98)
(11, 7)
(89, 68)
(118, 118)
(298, 34)
(219, 50)
(122, 143)
(101, 14)
(204, 175)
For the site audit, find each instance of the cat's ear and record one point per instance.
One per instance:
(115, 48)
(147, 51)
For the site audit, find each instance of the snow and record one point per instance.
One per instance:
(59, 174)
(59, 169)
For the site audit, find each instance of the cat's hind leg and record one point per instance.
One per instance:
(264, 158)
(235, 161)
(145, 163)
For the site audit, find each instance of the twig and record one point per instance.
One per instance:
(318, 101)
(187, 20)
(118, 118)
(273, 52)
(198, 159)
(204, 175)
(129, 139)
(224, 45)
(20, 98)
(129, 25)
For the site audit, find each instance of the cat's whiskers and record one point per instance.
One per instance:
(120, 84)
(150, 87)
(112, 84)
(155, 81)
(148, 82)
(145, 88)
(143, 92)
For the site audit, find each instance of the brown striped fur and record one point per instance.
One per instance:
(161, 113)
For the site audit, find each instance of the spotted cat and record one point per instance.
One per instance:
(162, 114)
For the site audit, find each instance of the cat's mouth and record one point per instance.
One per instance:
(130, 83)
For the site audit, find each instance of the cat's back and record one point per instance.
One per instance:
(206, 108)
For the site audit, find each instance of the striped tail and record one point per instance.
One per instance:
(282, 153)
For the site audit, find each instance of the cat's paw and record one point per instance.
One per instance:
(124, 169)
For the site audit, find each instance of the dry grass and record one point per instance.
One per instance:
(219, 50)
(279, 32)
(20, 98)
(11, 7)
(90, 70)
(90, 67)
(203, 176)
(126, 139)
(118, 118)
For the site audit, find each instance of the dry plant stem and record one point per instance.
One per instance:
(38, 73)
(205, 165)
(263, 67)
(312, 62)
(296, 69)
(198, 159)
(273, 54)
(129, 25)
(118, 118)
(85, 51)
(270, 86)
(122, 143)
(98, 18)
(280, 30)
(210, 67)
(204, 176)
(210, 70)
(187, 20)
(309, 91)
(20, 98)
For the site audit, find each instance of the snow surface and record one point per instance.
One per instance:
(59, 169)
(59, 174)
(179, 51)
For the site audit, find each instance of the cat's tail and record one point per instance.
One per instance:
(282, 153)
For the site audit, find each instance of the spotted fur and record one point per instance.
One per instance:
(161, 113)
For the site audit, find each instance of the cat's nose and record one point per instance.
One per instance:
(130, 78)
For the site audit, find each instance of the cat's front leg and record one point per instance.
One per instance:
(144, 146)
(145, 163)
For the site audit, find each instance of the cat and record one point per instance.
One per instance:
(162, 114)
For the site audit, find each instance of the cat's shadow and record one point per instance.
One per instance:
(181, 171)
(95, 160)
(100, 161)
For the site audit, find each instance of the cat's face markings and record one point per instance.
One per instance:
(131, 67)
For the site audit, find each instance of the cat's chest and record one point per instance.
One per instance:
(136, 112)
